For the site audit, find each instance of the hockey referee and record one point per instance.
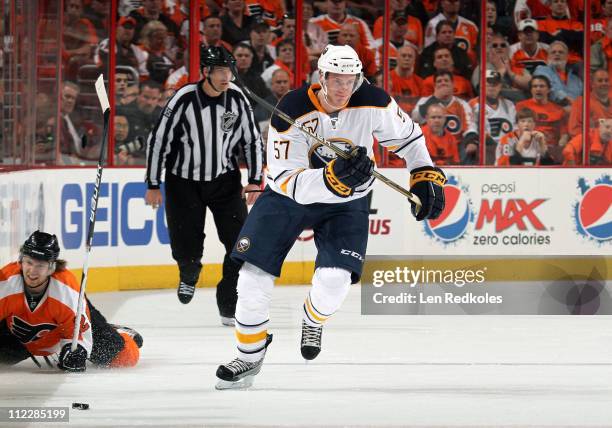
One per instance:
(197, 140)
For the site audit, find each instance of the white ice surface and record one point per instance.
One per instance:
(373, 371)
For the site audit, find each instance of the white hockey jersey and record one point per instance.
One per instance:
(498, 121)
(296, 161)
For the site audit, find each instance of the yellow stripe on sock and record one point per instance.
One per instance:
(312, 312)
(251, 338)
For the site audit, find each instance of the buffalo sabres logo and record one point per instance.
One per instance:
(243, 244)
(227, 121)
(27, 333)
(320, 155)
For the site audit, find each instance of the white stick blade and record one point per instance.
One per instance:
(101, 91)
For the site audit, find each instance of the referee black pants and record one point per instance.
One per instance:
(186, 203)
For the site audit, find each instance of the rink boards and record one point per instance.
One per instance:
(509, 217)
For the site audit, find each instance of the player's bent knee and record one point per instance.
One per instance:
(129, 355)
(332, 278)
(254, 286)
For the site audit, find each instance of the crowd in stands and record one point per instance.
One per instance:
(534, 68)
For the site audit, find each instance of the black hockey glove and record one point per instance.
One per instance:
(342, 176)
(427, 182)
(72, 361)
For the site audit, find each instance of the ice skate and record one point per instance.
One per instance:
(185, 292)
(130, 332)
(311, 341)
(228, 321)
(239, 374)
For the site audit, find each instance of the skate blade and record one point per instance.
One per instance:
(228, 322)
(244, 383)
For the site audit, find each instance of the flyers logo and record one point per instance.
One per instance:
(27, 333)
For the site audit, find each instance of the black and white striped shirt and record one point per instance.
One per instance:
(196, 138)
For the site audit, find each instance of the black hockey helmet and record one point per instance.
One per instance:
(41, 246)
(211, 56)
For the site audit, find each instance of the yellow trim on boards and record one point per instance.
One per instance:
(120, 278)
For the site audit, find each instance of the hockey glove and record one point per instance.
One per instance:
(72, 361)
(427, 183)
(342, 176)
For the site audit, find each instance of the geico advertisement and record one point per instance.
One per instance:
(522, 212)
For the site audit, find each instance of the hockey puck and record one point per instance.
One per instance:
(80, 406)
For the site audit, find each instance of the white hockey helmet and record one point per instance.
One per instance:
(340, 60)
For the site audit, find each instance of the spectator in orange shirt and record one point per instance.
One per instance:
(407, 87)
(445, 37)
(414, 28)
(441, 145)
(443, 61)
(285, 59)
(349, 35)
(525, 145)
(559, 26)
(550, 118)
(600, 103)
(599, 24)
(528, 53)
(600, 152)
(269, 11)
(336, 16)
(79, 39)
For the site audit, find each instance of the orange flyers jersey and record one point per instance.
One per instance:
(551, 25)
(550, 119)
(414, 30)
(46, 329)
(442, 149)
(466, 33)
(462, 87)
(499, 121)
(406, 90)
(598, 110)
(332, 28)
(271, 11)
(521, 60)
(459, 116)
(598, 29)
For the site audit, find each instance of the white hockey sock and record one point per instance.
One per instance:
(252, 311)
(329, 289)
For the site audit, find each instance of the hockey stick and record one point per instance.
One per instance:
(412, 198)
(103, 98)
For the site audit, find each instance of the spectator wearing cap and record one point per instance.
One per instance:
(445, 37)
(525, 146)
(406, 86)
(600, 103)
(466, 32)
(559, 26)
(244, 60)
(236, 22)
(79, 38)
(126, 53)
(151, 10)
(515, 81)
(397, 33)
(336, 15)
(601, 52)
(600, 141)
(212, 32)
(500, 113)
(459, 116)
(566, 84)
(159, 63)
(349, 35)
(264, 53)
(443, 61)
(414, 28)
(528, 53)
(441, 145)
(551, 119)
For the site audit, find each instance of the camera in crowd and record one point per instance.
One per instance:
(131, 146)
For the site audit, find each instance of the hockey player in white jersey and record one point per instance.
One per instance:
(310, 187)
